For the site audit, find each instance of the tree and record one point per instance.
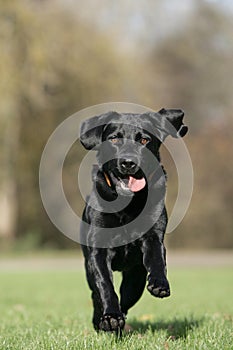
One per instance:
(191, 68)
(51, 66)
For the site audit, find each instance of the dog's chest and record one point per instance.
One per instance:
(126, 257)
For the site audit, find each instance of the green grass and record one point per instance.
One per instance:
(52, 310)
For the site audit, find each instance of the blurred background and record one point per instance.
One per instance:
(59, 56)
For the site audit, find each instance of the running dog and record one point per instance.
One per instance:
(126, 145)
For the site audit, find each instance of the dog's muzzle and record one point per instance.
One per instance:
(129, 182)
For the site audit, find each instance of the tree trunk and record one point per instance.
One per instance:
(8, 174)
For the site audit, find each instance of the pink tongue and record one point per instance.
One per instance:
(136, 185)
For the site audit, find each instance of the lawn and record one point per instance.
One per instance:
(52, 310)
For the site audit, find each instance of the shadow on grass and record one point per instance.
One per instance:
(175, 328)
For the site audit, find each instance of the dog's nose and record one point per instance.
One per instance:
(127, 165)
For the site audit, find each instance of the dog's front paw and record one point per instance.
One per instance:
(159, 288)
(112, 323)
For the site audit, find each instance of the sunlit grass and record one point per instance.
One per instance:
(53, 310)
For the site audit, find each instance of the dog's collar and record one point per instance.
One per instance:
(151, 175)
(107, 179)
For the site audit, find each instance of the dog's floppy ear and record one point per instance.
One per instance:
(169, 122)
(91, 129)
(173, 123)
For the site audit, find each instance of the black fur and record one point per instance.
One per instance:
(141, 255)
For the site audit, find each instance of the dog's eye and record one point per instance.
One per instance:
(114, 140)
(144, 141)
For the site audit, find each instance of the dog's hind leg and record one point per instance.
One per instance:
(132, 286)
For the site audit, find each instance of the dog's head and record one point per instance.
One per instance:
(123, 140)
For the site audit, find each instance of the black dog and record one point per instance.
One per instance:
(113, 238)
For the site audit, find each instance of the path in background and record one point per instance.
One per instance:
(174, 259)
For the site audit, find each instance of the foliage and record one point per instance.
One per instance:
(56, 60)
(192, 68)
(208, 222)
(54, 66)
